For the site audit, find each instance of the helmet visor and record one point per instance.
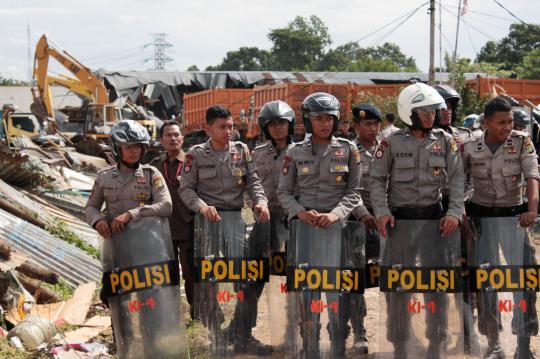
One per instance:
(430, 108)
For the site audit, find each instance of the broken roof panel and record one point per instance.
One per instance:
(74, 265)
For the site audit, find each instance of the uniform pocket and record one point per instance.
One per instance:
(207, 173)
(110, 196)
(512, 177)
(479, 172)
(403, 169)
(437, 169)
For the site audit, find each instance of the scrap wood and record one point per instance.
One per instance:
(10, 207)
(40, 293)
(5, 250)
(90, 329)
(15, 261)
(72, 311)
(37, 272)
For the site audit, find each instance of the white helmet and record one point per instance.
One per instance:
(418, 96)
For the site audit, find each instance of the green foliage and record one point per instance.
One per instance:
(11, 82)
(385, 103)
(510, 52)
(60, 230)
(63, 289)
(193, 68)
(244, 59)
(471, 102)
(531, 65)
(302, 46)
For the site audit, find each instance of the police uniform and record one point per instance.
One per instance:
(414, 171)
(328, 183)
(142, 193)
(220, 180)
(497, 180)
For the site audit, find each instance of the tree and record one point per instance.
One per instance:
(352, 57)
(300, 45)
(11, 82)
(512, 49)
(531, 65)
(244, 59)
(193, 68)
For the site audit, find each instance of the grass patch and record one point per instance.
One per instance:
(61, 230)
(63, 289)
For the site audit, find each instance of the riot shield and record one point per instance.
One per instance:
(232, 267)
(282, 305)
(141, 281)
(325, 273)
(420, 314)
(505, 276)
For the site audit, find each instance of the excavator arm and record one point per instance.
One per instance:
(45, 49)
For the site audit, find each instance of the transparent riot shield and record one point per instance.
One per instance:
(283, 323)
(505, 276)
(232, 267)
(141, 284)
(325, 274)
(420, 314)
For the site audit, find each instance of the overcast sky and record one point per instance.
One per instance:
(111, 34)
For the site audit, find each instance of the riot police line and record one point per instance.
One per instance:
(289, 239)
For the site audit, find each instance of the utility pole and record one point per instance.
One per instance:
(30, 74)
(160, 47)
(440, 43)
(432, 42)
(457, 32)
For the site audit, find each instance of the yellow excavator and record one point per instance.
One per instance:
(84, 83)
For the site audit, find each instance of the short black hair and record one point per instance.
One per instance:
(215, 112)
(498, 104)
(390, 117)
(167, 124)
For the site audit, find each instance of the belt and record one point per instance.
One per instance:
(430, 212)
(476, 210)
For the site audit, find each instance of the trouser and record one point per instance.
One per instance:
(245, 312)
(183, 251)
(406, 252)
(524, 322)
(358, 302)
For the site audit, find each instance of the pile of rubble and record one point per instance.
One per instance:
(46, 244)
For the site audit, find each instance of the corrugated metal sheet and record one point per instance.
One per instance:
(74, 266)
(20, 170)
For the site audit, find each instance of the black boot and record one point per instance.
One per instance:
(434, 350)
(360, 344)
(495, 350)
(523, 349)
(400, 350)
(310, 332)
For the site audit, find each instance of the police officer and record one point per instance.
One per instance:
(344, 129)
(412, 166)
(277, 122)
(215, 177)
(367, 121)
(320, 186)
(497, 161)
(448, 115)
(129, 190)
(521, 120)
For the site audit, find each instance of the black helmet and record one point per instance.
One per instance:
(320, 103)
(449, 94)
(521, 118)
(276, 110)
(128, 132)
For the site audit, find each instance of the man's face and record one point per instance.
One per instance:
(367, 130)
(344, 126)
(131, 153)
(278, 129)
(427, 117)
(499, 125)
(172, 138)
(322, 125)
(220, 130)
(446, 114)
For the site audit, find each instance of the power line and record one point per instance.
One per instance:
(398, 25)
(472, 26)
(482, 13)
(510, 12)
